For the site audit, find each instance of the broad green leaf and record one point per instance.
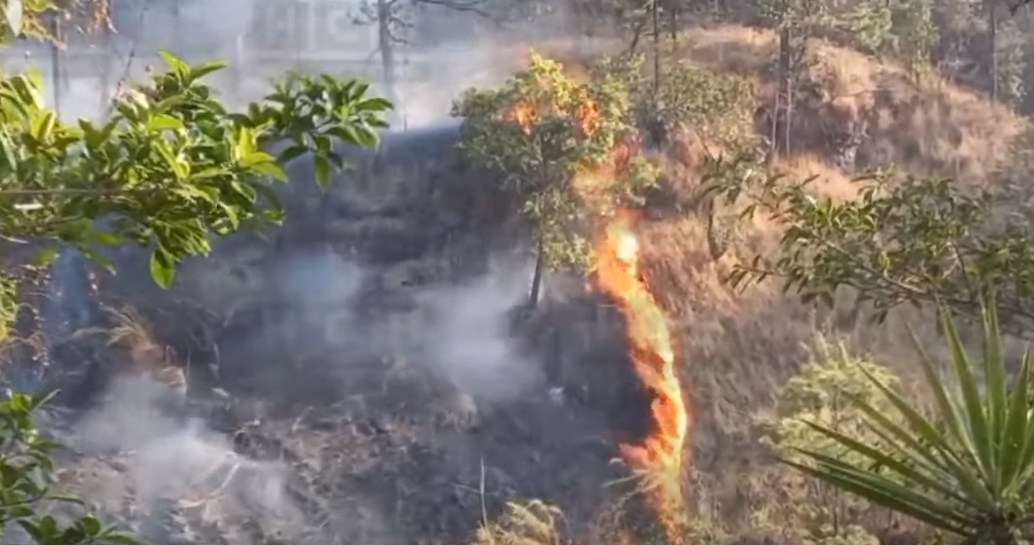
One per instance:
(322, 169)
(90, 525)
(270, 169)
(291, 154)
(174, 63)
(255, 158)
(162, 122)
(162, 268)
(43, 125)
(200, 71)
(375, 104)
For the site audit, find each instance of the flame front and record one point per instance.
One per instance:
(617, 274)
(653, 355)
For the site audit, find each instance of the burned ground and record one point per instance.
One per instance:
(371, 352)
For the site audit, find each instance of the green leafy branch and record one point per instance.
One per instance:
(916, 240)
(171, 166)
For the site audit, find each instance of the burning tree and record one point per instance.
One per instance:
(566, 152)
(562, 151)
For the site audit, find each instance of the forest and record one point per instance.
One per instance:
(689, 273)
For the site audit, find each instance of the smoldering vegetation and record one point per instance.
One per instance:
(362, 373)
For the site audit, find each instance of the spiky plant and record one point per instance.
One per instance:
(968, 469)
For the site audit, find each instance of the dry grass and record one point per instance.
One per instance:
(739, 348)
(132, 332)
(935, 128)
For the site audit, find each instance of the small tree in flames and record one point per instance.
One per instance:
(563, 151)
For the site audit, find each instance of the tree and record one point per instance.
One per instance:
(169, 168)
(563, 152)
(913, 240)
(916, 36)
(969, 470)
(390, 18)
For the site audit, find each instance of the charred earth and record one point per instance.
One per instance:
(358, 375)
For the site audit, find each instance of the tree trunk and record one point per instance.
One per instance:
(673, 20)
(536, 279)
(387, 48)
(655, 8)
(780, 115)
(786, 70)
(992, 27)
(55, 62)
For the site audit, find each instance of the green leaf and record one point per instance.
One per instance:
(323, 170)
(376, 104)
(246, 143)
(91, 526)
(163, 269)
(255, 158)
(270, 169)
(43, 125)
(162, 122)
(200, 71)
(291, 154)
(177, 66)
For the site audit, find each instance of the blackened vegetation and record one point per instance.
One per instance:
(317, 377)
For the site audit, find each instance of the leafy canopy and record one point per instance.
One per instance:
(911, 240)
(564, 150)
(170, 167)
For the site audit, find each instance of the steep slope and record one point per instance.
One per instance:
(849, 99)
(376, 394)
(854, 113)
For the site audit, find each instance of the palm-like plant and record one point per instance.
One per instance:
(970, 468)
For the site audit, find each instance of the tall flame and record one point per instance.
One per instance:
(652, 345)
(653, 356)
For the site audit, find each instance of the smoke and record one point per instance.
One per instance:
(467, 337)
(460, 333)
(437, 54)
(169, 457)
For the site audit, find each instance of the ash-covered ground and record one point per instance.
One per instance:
(367, 373)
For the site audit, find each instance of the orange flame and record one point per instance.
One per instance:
(652, 345)
(588, 117)
(524, 115)
(653, 355)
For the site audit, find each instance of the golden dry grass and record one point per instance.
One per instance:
(934, 128)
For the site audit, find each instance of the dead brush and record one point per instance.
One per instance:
(532, 522)
(676, 525)
(133, 332)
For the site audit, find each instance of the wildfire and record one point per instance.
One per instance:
(588, 117)
(653, 355)
(652, 346)
(523, 114)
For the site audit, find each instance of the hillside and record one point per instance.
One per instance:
(378, 387)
